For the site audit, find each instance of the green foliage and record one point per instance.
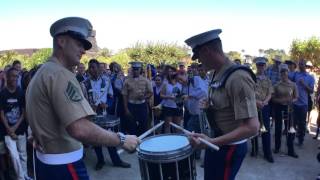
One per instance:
(157, 53)
(232, 55)
(306, 49)
(37, 58)
(271, 53)
(28, 62)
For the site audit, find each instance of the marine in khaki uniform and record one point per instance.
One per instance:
(231, 108)
(263, 91)
(136, 92)
(58, 112)
(285, 93)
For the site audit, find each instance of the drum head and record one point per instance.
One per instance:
(164, 143)
(165, 148)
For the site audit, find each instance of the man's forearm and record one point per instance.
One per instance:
(89, 133)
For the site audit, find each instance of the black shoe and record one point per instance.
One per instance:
(276, 151)
(294, 155)
(123, 165)
(316, 137)
(99, 165)
(269, 159)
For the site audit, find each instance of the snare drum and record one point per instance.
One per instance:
(166, 157)
(109, 122)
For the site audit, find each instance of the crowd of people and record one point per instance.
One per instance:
(146, 95)
(167, 93)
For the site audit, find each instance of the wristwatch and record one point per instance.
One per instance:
(122, 138)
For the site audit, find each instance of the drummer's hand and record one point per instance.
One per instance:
(131, 143)
(195, 142)
(204, 103)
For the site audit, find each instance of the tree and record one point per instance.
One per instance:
(306, 49)
(271, 53)
(234, 55)
(39, 57)
(157, 53)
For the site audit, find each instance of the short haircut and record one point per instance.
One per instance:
(16, 62)
(10, 70)
(93, 61)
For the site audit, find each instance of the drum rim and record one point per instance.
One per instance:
(168, 156)
(107, 123)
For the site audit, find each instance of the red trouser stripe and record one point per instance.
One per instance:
(72, 172)
(227, 168)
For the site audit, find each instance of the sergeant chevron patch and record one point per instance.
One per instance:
(73, 93)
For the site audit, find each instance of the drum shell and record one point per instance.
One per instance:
(174, 164)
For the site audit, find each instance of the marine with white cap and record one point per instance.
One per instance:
(137, 90)
(285, 93)
(230, 107)
(58, 112)
(263, 91)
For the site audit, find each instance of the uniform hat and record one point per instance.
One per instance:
(136, 64)
(260, 60)
(76, 27)
(289, 62)
(277, 58)
(283, 67)
(309, 64)
(200, 39)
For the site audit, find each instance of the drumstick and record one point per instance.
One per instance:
(145, 134)
(200, 139)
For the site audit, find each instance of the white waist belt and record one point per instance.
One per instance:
(238, 142)
(136, 101)
(57, 159)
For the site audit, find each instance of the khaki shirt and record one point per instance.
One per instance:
(137, 88)
(285, 90)
(234, 102)
(263, 88)
(53, 101)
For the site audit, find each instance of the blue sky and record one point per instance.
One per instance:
(246, 24)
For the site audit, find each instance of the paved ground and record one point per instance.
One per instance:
(284, 168)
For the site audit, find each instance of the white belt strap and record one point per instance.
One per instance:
(57, 159)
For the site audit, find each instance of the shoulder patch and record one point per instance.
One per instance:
(73, 93)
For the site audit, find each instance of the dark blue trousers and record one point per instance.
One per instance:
(266, 137)
(138, 124)
(114, 156)
(225, 163)
(72, 171)
(300, 116)
(278, 128)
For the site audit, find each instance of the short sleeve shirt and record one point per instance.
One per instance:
(234, 102)
(263, 88)
(285, 90)
(12, 104)
(135, 87)
(53, 101)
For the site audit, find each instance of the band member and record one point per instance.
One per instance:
(263, 95)
(231, 108)
(97, 90)
(57, 111)
(285, 93)
(136, 92)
